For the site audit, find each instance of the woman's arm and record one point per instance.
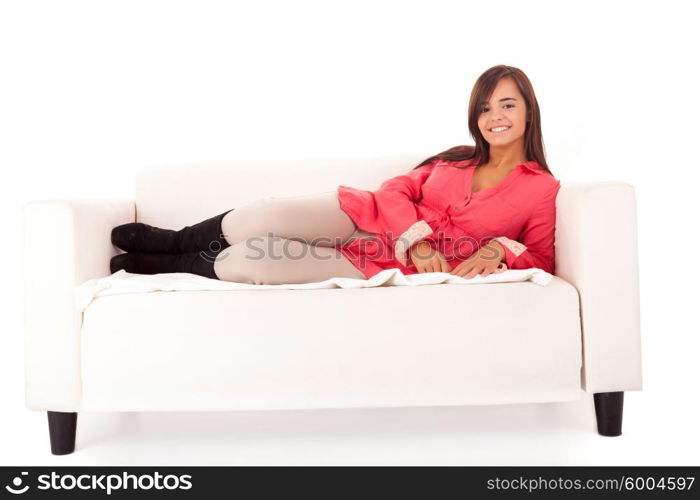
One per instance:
(536, 245)
(395, 202)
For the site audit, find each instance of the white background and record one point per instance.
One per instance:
(92, 91)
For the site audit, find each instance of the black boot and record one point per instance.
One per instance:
(139, 237)
(200, 262)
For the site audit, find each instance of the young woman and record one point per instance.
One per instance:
(466, 211)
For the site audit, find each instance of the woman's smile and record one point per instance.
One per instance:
(499, 130)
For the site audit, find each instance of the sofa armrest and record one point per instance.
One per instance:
(596, 251)
(66, 242)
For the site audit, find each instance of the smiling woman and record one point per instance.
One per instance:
(484, 207)
(504, 120)
(501, 97)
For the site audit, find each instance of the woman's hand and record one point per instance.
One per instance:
(484, 261)
(427, 259)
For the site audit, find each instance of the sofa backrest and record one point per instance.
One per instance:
(173, 196)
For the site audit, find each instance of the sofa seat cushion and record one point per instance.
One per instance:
(326, 348)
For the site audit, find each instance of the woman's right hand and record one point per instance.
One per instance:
(427, 259)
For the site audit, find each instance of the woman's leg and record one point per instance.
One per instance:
(316, 219)
(273, 260)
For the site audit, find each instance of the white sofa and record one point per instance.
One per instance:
(323, 348)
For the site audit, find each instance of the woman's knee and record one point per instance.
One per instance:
(253, 260)
(252, 219)
(271, 260)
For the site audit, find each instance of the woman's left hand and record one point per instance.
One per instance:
(484, 261)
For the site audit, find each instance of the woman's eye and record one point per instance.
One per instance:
(486, 109)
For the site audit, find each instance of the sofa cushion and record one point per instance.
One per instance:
(386, 346)
(172, 196)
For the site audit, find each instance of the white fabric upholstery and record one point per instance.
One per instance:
(65, 243)
(596, 251)
(223, 350)
(179, 195)
(202, 350)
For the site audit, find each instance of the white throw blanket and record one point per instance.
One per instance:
(124, 282)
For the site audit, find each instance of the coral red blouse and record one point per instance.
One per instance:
(434, 203)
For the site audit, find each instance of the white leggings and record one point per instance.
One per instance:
(287, 240)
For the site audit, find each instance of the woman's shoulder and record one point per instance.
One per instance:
(543, 178)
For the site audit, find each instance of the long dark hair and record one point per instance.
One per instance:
(482, 90)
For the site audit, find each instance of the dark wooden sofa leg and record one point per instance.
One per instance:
(608, 412)
(62, 431)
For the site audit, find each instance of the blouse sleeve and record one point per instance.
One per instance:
(536, 245)
(396, 205)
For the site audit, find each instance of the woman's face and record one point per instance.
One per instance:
(505, 109)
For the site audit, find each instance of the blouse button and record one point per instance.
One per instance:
(456, 207)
